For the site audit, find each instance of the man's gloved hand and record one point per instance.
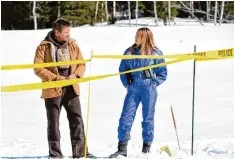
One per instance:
(72, 76)
(58, 78)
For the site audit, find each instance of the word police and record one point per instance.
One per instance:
(225, 53)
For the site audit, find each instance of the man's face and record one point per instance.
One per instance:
(63, 35)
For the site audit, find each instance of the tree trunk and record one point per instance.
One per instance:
(114, 9)
(106, 12)
(136, 12)
(208, 11)
(59, 12)
(34, 15)
(96, 11)
(165, 17)
(169, 12)
(102, 8)
(191, 6)
(129, 13)
(215, 14)
(155, 13)
(221, 14)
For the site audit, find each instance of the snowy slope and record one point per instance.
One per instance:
(24, 117)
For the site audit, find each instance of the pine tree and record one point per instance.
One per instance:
(162, 10)
(101, 12)
(229, 11)
(16, 15)
(79, 13)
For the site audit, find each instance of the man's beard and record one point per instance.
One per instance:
(65, 40)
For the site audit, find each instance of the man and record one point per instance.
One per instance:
(57, 46)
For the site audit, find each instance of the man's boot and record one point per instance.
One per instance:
(54, 149)
(78, 152)
(146, 148)
(89, 155)
(122, 150)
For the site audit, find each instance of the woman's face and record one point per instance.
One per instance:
(138, 38)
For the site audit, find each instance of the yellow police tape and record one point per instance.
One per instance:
(40, 65)
(53, 84)
(200, 56)
(205, 55)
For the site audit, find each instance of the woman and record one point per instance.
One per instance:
(141, 87)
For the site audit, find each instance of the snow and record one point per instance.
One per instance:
(24, 117)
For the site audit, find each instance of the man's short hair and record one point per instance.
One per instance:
(60, 24)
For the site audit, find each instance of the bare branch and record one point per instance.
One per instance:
(192, 13)
(197, 11)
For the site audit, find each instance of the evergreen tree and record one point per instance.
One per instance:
(47, 13)
(229, 11)
(79, 13)
(162, 10)
(16, 15)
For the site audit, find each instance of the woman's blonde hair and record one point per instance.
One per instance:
(146, 39)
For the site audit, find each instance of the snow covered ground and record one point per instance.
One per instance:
(23, 115)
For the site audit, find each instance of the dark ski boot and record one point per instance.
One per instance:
(122, 150)
(146, 148)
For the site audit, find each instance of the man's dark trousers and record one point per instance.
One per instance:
(71, 103)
